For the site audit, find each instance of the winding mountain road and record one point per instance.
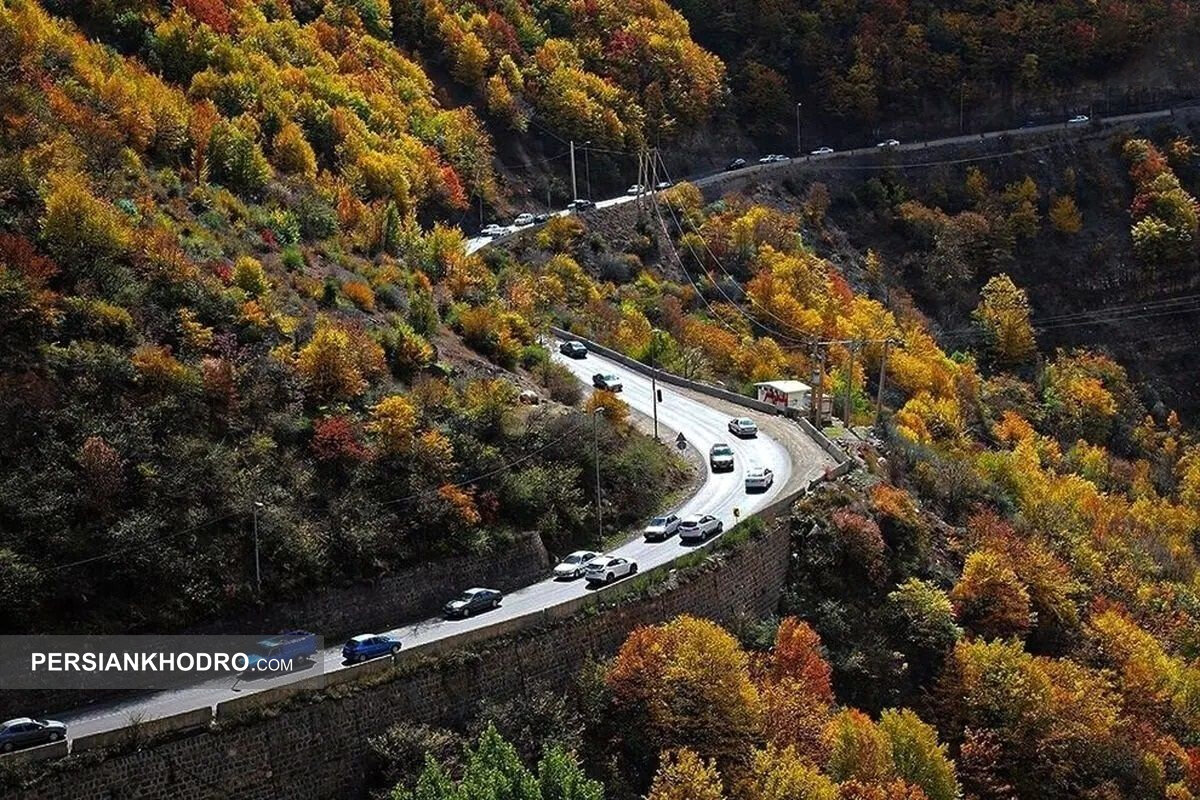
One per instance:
(781, 446)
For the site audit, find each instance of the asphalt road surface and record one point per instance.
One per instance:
(827, 160)
(701, 424)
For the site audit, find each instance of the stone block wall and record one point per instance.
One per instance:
(318, 748)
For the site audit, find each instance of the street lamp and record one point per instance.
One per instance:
(257, 566)
(799, 146)
(596, 412)
(654, 334)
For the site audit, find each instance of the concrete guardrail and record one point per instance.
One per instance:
(820, 438)
(32, 755)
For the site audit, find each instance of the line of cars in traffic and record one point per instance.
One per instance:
(886, 144)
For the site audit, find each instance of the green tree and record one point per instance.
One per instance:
(561, 778)
(236, 161)
(917, 756)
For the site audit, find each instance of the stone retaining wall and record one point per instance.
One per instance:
(317, 746)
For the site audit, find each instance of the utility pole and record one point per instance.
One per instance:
(882, 375)
(849, 383)
(962, 106)
(257, 565)
(574, 192)
(653, 180)
(799, 145)
(479, 191)
(596, 412)
(819, 406)
(587, 168)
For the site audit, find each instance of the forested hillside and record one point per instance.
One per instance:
(1021, 568)
(220, 289)
(866, 64)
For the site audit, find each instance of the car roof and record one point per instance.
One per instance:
(362, 637)
(758, 470)
(16, 721)
(582, 553)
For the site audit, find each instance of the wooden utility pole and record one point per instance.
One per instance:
(819, 401)
(574, 191)
(849, 384)
(882, 376)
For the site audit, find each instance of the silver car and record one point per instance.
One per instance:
(573, 565)
(743, 427)
(661, 528)
(608, 568)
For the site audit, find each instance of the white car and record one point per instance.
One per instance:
(1079, 119)
(743, 427)
(574, 565)
(493, 230)
(658, 187)
(699, 527)
(637, 188)
(661, 528)
(822, 151)
(759, 479)
(607, 568)
(523, 220)
(889, 143)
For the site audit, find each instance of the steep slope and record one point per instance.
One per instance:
(218, 308)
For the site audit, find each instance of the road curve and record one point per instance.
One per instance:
(700, 422)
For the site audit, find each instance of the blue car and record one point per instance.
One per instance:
(369, 645)
(282, 653)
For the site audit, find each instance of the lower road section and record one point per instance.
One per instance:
(704, 421)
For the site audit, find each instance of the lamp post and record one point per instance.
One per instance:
(596, 412)
(257, 565)
(654, 333)
(799, 144)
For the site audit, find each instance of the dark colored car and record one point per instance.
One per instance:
(581, 204)
(472, 601)
(370, 645)
(279, 652)
(538, 219)
(573, 349)
(23, 732)
(720, 457)
(737, 163)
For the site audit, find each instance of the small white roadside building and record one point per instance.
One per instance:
(786, 394)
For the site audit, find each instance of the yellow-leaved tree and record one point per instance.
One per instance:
(1003, 317)
(683, 775)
